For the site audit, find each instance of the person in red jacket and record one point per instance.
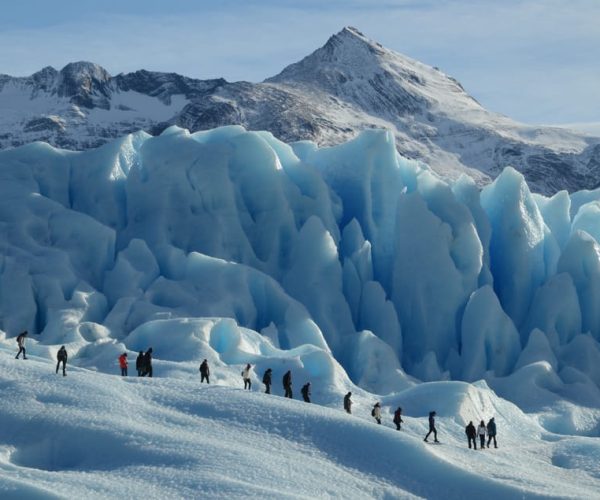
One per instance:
(123, 364)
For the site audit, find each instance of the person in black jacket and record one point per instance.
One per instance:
(432, 427)
(287, 384)
(267, 380)
(471, 433)
(139, 364)
(61, 357)
(204, 372)
(491, 432)
(148, 363)
(306, 392)
(348, 403)
(21, 343)
(398, 418)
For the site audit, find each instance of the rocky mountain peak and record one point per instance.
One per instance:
(345, 55)
(349, 84)
(45, 78)
(85, 83)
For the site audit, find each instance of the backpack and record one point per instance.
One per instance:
(373, 412)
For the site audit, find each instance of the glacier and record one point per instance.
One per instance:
(351, 249)
(354, 267)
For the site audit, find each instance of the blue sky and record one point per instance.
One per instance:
(537, 61)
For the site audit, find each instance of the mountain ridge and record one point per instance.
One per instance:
(349, 84)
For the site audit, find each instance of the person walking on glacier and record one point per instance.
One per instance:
(491, 431)
(348, 403)
(471, 433)
(287, 384)
(376, 412)
(21, 344)
(432, 428)
(267, 378)
(147, 363)
(204, 372)
(306, 392)
(61, 357)
(481, 431)
(123, 364)
(398, 418)
(139, 364)
(246, 377)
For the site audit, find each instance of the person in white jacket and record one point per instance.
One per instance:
(246, 377)
(376, 412)
(481, 431)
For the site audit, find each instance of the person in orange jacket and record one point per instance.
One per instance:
(123, 364)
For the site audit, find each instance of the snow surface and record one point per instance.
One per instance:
(357, 269)
(97, 435)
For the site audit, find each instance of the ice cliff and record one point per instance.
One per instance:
(350, 254)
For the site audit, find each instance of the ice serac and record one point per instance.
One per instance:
(555, 310)
(519, 248)
(305, 255)
(581, 260)
(365, 174)
(442, 267)
(489, 339)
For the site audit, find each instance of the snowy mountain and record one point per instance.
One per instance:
(348, 85)
(355, 268)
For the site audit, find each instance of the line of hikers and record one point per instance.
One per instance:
(305, 391)
(267, 380)
(481, 431)
(376, 412)
(143, 365)
(61, 355)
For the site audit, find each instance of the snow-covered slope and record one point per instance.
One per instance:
(97, 435)
(350, 84)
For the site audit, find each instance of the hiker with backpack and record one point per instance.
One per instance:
(491, 431)
(147, 363)
(306, 392)
(61, 357)
(481, 431)
(471, 433)
(204, 372)
(432, 428)
(21, 344)
(348, 403)
(267, 380)
(139, 364)
(376, 412)
(398, 418)
(123, 364)
(287, 384)
(246, 376)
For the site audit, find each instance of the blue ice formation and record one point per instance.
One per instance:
(352, 249)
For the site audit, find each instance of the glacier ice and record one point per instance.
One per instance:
(348, 254)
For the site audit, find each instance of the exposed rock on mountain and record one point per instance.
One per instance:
(349, 84)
